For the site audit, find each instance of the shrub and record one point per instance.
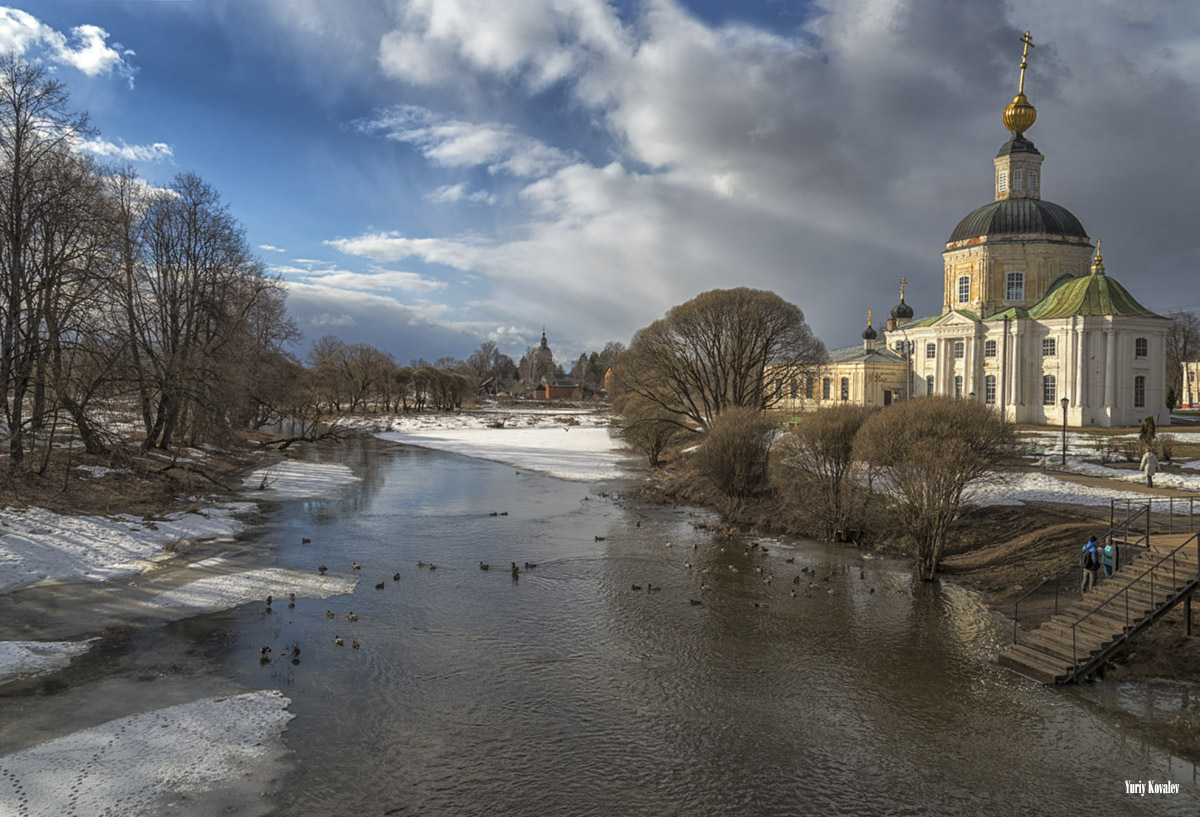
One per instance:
(1131, 450)
(1148, 430)
(1166, 446)
(736, 450)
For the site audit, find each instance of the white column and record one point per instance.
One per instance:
(1110, 370)
(1080, 365)
(1018, 392)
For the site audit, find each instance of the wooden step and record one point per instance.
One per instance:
(1063, 634)
(1032, 664)
(1098, 629)
(1053, 648)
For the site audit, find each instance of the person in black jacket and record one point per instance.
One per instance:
(1090, 559)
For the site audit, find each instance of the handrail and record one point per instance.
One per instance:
(1073, 561)
(1125, 590)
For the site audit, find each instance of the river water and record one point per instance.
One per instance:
(567, 690)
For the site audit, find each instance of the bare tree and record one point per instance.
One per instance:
(735, 452)
(1183, 345)
(932, 451)
(647, 427)
(814, 462)
(718, 351)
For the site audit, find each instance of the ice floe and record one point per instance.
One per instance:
(299, 479)
(224, 591)
(23, 658)
(151, 763)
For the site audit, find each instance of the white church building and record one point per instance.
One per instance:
(1030, 321)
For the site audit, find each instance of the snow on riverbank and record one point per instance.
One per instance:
(37, 544)
(566, 444)
(1015, 489)
(24, 658)
(299, 479)
(150, 763)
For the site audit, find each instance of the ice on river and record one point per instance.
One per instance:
(24, 658)
(299, 479)
(153, 763)
(37, 544)
(544, 443)
(225, 591)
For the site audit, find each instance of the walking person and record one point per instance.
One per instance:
(1090, 560)
(1109, 554)
(1149, 465)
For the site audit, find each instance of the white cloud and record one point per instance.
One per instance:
(270, 248)
(328, 319)
(455, 143)
(451, 193)
(87, 50)
(378, 280)
(157, 152)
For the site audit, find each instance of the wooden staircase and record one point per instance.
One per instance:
(1084, 634)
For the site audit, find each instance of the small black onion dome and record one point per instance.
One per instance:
(902, 310)
(869, 333)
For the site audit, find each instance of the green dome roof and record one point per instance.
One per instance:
(1088, 295)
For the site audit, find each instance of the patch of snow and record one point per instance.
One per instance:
(1016, 489)
(225, 591)
(143, 764)
(22, 658)
(298, 479)
(37, 544)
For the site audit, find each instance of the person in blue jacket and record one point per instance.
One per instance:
(1090, 559)
(1109, 553)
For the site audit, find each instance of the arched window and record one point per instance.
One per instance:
(929, 384)
(1014, 289)
(989, 389)
(989, 348)
(794, 388)
(1049, 390)
(1033, 180)
(808, 387)
(825, 383)
(1139, 392)
(845, 388)
(964, 289)
(1141, 347)
(958, 385)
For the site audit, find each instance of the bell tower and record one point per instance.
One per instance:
(1019, 164)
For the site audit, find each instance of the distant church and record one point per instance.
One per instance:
(1030, 321)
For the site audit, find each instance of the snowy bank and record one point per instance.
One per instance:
(25, 658)
(1015, 489)
(152, 763)
(298, 479)
(224, 591)
(568, 445)
(37, 544)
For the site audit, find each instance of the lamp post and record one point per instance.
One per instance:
(1064, 403)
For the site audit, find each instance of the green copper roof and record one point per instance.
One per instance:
(880, 354)
(1012, 313)
(1088, 295)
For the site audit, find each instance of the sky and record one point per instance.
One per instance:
(426, 175)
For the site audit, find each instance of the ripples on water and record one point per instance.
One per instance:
(567, 692)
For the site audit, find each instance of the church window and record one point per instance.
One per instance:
(960, 349)
(1016, 180)
(1015, 286)
(1002, 181)
(958, 383)
(929, 384)
(964, 289)
(1141, 347)
(1049, 347)
(1033, 180)
(1049, 390)
(808, 387)
(824, 388)
(989, 389)
(989, 348)
(795, 388)
(1139, 392)
(930, 351)
(845, 388)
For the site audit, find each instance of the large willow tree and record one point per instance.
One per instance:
(724, 348)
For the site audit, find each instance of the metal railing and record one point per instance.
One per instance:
(1148, 612)
(1126, 540)
(1171, 514)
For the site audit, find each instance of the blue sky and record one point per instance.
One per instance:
(429, 174)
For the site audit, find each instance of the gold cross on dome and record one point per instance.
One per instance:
(1025, 59)
(868, 317)
(902, 283)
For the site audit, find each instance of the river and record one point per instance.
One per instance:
(574, 688)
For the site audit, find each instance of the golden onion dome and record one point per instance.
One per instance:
(1020, 115)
